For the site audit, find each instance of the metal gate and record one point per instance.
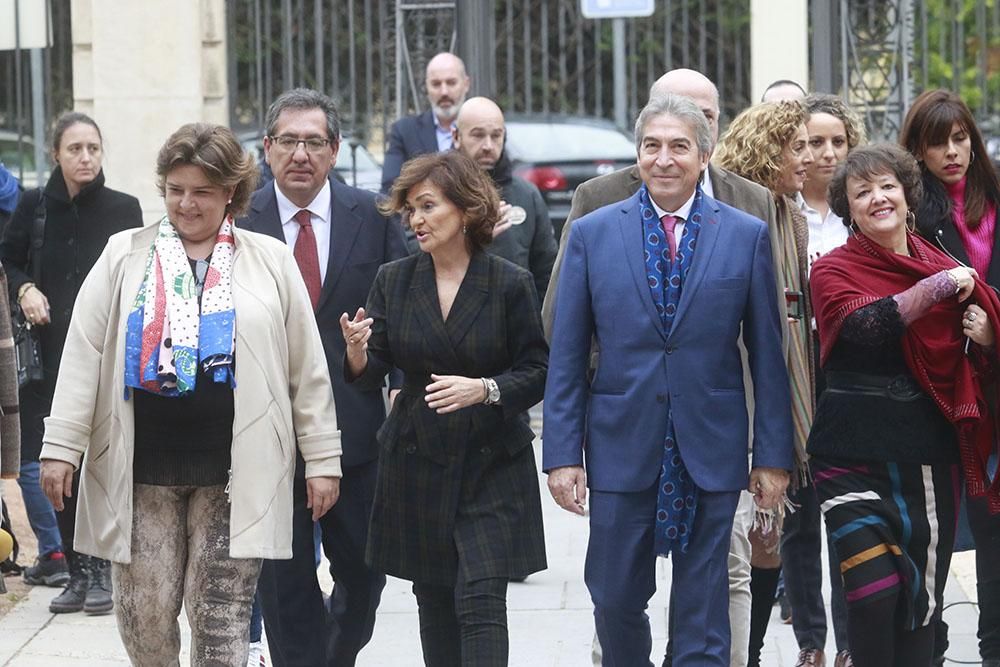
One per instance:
(370, 54)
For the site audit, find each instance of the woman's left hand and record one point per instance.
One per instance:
(321, 494)
(448, 393)
(977, 326)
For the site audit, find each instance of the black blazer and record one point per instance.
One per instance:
(478, 460)
(361, 240)
(409, 137)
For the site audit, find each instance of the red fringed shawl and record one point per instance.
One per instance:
(862, 272)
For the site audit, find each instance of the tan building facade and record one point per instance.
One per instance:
(142, 69)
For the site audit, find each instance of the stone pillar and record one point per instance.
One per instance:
(143, 69)
(779, 43)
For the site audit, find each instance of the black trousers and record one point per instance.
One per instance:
(301, 632)
(464, 624)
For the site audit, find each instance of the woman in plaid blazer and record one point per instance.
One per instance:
(457, 507)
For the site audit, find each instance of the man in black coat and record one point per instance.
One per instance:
(525, 236)
(340, 241)
(428, 132)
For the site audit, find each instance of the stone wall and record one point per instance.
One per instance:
(142, 69)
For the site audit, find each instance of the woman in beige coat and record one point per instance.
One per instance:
(192, 371)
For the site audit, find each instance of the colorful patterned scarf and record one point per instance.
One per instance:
(677, 497)
(168, 331)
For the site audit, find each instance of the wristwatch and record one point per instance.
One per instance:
(492, 391)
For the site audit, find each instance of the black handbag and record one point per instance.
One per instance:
(27, 346)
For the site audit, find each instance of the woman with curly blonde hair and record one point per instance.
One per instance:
(768, 144)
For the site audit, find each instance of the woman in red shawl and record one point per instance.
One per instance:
(907, 343)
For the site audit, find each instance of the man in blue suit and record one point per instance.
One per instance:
(665, 280)
(340, 241)
(431, 131)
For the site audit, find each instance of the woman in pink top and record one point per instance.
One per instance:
(958, 213)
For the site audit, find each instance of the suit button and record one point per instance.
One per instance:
(661, 398)
(486, 451)
(411, 449)
(670, 349)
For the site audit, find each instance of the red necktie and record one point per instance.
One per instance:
(669, 222)
(307, 257)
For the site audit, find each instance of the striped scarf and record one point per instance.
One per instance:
(793, 234)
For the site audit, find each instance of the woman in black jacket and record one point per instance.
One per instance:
(77, 214)
(958, 214)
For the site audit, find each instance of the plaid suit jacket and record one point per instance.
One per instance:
(457, 494)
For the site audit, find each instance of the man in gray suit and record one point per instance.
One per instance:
(739, 193)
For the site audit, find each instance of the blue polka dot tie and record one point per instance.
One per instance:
(667, 265)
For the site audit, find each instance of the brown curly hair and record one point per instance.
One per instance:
(867, 162)
(754, 144)
(835, 106)
(220, 155)
(462, 182)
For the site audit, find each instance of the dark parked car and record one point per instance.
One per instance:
(557, 153)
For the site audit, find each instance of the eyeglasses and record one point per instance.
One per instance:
(289, 144)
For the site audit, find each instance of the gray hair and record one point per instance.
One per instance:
(683, 109)
(304, 99)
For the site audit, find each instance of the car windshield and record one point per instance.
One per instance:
(364, 158)
(546, 142)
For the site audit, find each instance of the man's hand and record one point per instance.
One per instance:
(57, 481)
(322, 494)
(768, 486)
(568, 486)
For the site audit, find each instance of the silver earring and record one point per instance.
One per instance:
(465, 230)
(972, 155)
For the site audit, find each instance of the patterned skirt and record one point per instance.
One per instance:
(893, 525)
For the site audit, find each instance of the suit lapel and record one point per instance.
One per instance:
(471, 298)
(702, 260)
(265, 218)
(635, 252)
(722, 189)
(429, 133)
(427, 308)
(345, 223)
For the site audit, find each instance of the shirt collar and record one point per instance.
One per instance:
(319, 206)
(803, 204)
(706, 183)
(681, 213)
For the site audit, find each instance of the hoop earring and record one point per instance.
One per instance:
(854, 227)
(972, 155)
(911, 221)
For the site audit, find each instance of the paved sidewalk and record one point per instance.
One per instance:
(551, 621)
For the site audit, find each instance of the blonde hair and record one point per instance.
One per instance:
(754, 144)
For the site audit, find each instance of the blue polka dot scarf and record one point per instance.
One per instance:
(677, 497)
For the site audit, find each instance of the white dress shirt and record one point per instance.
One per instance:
(319, 214)
(825, 233)
(681, 214)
